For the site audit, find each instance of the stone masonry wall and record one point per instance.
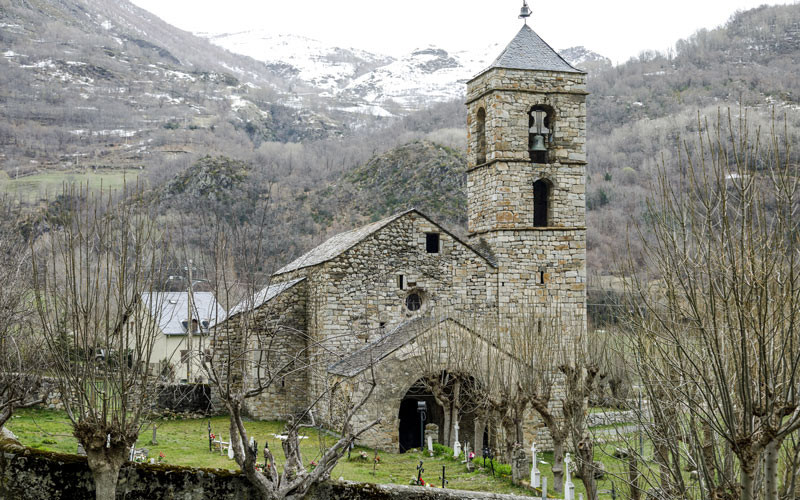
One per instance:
(541, 270)
(277, 347)
(356, 297)
(27, 474)
(500, 192)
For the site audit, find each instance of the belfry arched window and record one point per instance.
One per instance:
(480, 133)
(542, 191)
(540, 133)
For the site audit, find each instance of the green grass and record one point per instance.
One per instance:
(51, 183)
(184, 442)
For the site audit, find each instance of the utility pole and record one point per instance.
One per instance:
(189, 323)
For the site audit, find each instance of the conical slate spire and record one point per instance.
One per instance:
(528, 51)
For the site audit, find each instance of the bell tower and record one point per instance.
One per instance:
(526, 176)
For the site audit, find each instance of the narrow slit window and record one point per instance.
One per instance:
(432, 242)
(401, 282)
(541, 277)
(481, 137)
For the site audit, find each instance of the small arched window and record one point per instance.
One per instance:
(541, 203)
(481, 137)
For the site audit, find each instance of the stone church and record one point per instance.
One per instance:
(367, 300)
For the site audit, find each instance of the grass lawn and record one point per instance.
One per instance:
(184, 442)
(36, 186)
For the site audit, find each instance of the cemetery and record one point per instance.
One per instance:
(187, 442)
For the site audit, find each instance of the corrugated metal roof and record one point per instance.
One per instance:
(528, 51)
(264, 295)
(170, 309)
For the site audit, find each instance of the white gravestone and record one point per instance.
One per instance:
(457, 445)
(536, 476)
(569, 488)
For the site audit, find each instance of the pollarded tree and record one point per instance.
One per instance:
(20, 350)
(89, 274)
(257, 348)
(721, 326)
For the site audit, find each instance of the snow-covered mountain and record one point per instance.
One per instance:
(311, 61)
(364, 82)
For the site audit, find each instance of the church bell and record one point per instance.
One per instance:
(538, 144)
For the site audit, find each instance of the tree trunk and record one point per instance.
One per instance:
(633, 475)
(477, 439)
(771, 469)
(586, 456)
(748, 479)
(105, 464)
(558, 464)
(709, 466)
(510, 431)
(446, 427)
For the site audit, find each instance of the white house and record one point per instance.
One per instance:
(171, 310)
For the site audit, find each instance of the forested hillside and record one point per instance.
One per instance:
(104, 85)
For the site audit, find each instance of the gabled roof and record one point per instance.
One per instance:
(170, 309)
(263, 296)
(372, 353)
(337, 245)
(342, 242)
(528, 51)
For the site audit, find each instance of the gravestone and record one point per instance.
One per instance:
(431, 436)
(519, 464)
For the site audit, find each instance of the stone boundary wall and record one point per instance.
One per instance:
(613, 418)
(28, 474)
(177, 398)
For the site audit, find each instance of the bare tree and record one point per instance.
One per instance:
(579, 365)
(718, 332)
(444, 364)
(20, 350)
(89, 274)
(257, 348)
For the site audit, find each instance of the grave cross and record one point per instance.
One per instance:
(535, 474)
(457, 445)
(569, 488)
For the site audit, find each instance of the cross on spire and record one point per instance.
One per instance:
(525, 11)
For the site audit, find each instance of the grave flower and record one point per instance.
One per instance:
(161, 457)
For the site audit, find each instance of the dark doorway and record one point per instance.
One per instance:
(409, 425)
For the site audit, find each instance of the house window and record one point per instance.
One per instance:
(541, 203)
(480, 133)
(432, 242)
(413, 302)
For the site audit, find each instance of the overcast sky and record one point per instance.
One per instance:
(618, 29)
